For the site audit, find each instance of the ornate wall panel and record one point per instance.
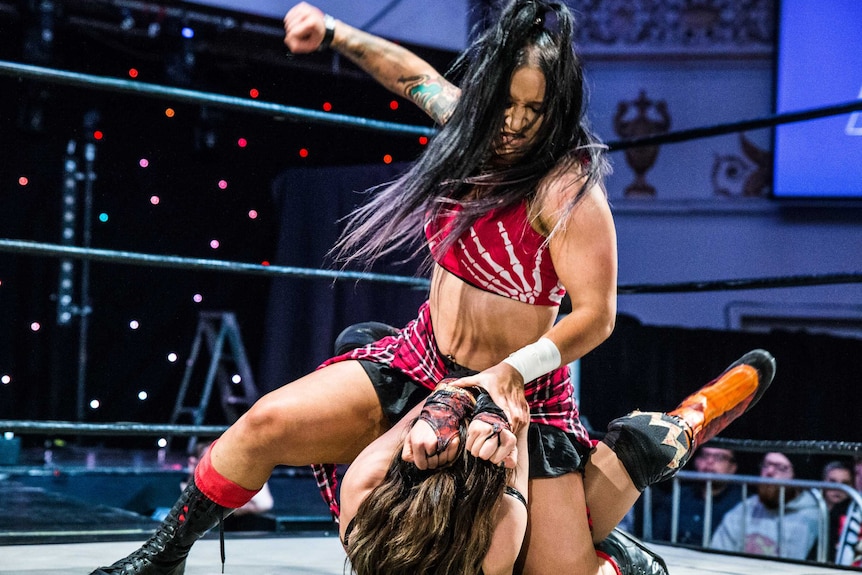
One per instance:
(675, 26)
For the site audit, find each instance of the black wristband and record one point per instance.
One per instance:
(329, 34)
(484, 404)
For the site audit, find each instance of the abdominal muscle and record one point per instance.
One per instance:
(478, 329)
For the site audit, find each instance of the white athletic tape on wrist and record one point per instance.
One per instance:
(536, 359)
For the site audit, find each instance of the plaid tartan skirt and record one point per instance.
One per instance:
(406, 367)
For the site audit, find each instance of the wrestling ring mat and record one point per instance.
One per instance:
(324, 556)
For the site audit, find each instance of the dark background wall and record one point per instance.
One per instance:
(288, 325)
(188, 155)
(654, 367)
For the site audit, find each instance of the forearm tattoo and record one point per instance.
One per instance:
(391, 64)
(436, 97)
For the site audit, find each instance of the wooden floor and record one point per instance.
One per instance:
(316, 555)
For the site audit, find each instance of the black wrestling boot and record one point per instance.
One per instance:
(165, 552)
(631, 555)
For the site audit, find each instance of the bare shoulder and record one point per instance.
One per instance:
(558, 192)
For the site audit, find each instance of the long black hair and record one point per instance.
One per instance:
(458, 160)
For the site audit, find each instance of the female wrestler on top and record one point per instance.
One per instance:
(508, 196)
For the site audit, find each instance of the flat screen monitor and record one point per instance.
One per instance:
(818, 64)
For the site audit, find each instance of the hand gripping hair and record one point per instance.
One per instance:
(449, 405)
(491, 413)
(446, 516)
(445, 409)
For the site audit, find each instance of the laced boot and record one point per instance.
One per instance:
(654, 446)
(165, 552)
(630, 556)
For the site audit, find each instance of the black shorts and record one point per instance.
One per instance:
(553, 452)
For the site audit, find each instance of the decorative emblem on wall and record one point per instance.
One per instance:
(747, 175)
(637, 119)
(675, 26)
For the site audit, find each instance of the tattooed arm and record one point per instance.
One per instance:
(396, 68)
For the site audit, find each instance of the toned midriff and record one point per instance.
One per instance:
(478, 329)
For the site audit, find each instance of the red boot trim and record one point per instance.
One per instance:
(219, 488)
(610, 560)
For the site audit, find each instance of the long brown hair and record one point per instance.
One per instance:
(433, 522)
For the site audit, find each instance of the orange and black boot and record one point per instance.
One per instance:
(653, 446)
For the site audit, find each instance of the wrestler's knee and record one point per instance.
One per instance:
(265, 422)
(652, 446)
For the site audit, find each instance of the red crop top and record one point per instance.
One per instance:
(500, 253)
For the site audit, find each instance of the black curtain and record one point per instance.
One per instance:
(812, 397)
(305, 316)
(638, 367)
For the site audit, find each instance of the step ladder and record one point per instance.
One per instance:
(228, 367)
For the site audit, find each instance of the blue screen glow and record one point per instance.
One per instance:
(819, 64)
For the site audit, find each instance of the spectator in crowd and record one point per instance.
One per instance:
(752, 526)
(845, 524)
(837, 472)
(836, 500)
(692, 499)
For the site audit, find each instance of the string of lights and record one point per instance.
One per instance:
(157, 200)
(271, 109)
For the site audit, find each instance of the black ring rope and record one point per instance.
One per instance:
(122, 428)
(151, 260)
(793, 446)
(801, 447)
(739, 126)
(292, 112)
(743, 284)
(295, 113)
(194, 96)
